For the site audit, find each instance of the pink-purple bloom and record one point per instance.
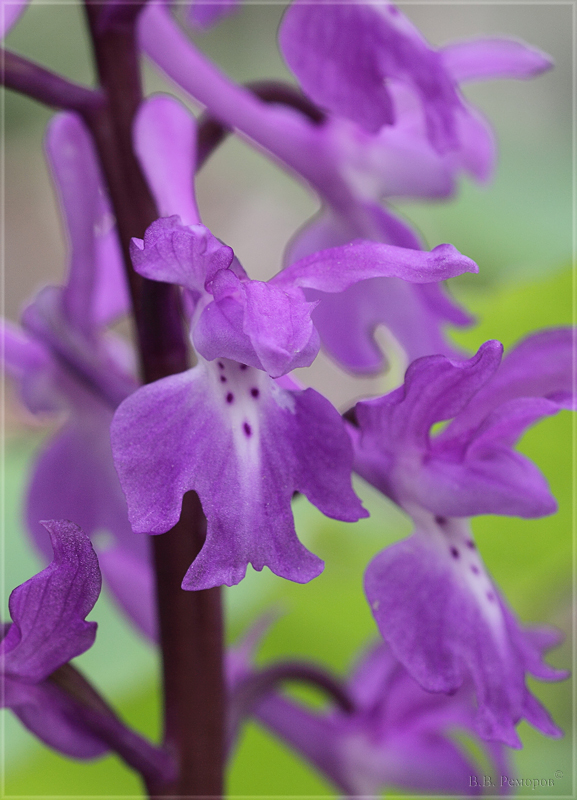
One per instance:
(351, 168)
(432, 598)
(393, 734)
(243, 441)
(67, 363)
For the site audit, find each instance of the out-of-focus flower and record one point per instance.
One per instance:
(48, 629)
(392, 734)
(204, 14)
(67, 363)
(10, 13)
(353, 169)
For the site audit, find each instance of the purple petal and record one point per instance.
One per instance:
(442, 617)
(244, 445)
(342, 55)
(46, 712)
(496, 481)
(48, 610)
(539, 366)
(96, 289)
(87, 365)
(337, 268)
(435, 389)
(257, 323)
(174, 253)
(131, 581)
(165, 142)
(204, 14)
(31, 364)
(478, 147)
(482, 59)
(10, 13)
(346, 321)
(74, 478)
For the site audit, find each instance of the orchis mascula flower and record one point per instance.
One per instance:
(244, 442)
(432, 599)
(350, 168)
(391, 734)
(65, 361)
(48, 629)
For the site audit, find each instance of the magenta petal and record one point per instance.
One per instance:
(48, 610)
(343, 55)
(435, 389)
(257, 323)
(74, 478)
(330, 50)
(31, 364)
(445, 621)
(96, 289)
(244, 445)
(204, 14)
(10, 14)
(131, 581)
(165, 142)
(346, 321)
(498, 481)
(336, 269)
(541, 365)
(482, 59)
(174, 253)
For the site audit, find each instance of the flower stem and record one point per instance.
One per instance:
(40, 84)
(190, 622)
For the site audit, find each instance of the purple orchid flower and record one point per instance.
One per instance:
(66, 362)
(431, 596)
(227, 430)
(49, 629)
(392, 734)
(352, 169)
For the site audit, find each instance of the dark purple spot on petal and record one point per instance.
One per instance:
(454, 552)
(475, 569)
(247, 429)
(229, 397)
(490, 597)
(243, 366)
(471, 545)
(441, 520)
(220, 365)
(254, 392)
(222, 379)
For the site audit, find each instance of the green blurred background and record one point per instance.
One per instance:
(518, 229)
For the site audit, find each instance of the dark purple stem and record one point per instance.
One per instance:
(190, 622)
(24, 76)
